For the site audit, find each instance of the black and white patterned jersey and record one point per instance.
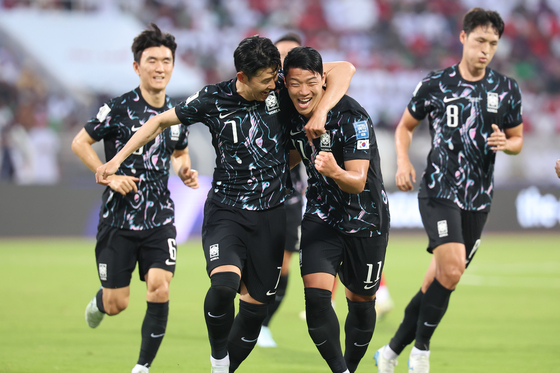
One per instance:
(250, 144)
(115, 123)
(349, 136)
(460, 163)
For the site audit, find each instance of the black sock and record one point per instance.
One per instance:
(245, 332)
(219, 311)
(280, 292)
(359, 327)
(407, 329)
(99, 300)
(153, 330)
(434, 305)
(323, 327)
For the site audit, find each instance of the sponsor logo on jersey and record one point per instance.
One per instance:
(493, 102)
(449, 99)
(271, 102)
(103, 112)
(103, 271)
(175, 132)
(214, 252)
(442, 228)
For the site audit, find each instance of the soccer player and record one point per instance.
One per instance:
(137, 214)
(557, 168)
(346, 222)
(294, 207)
(473, 113)
(244, 219)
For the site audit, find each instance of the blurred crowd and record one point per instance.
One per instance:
(392, 43)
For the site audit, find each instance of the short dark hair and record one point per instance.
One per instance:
(481, 17)
(255, 53)
(290, 36)
(152, 38)
(305, 58)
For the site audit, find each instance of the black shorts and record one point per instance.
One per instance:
(446, 222)
(293, 226)
(118, 250)
(253, 241)
(358, 261)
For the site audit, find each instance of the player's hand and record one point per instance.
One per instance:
(123, 184)
(315, 127)
(104, 171)
(189, 177)
(557, 168)
(326, 164)
(405, 177)
(497, 139)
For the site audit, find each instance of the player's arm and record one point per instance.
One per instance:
(82, 147)
(406, 175)
(350, 179)
(295, 158)
(146, 133)
(510, 141)
(557, 168)
(181, 162)
(338, 78)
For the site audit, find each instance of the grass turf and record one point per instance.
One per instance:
(503, 317)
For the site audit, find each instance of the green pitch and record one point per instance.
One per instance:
(504, 316)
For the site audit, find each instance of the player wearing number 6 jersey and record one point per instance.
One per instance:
(137, 214)
(473, 112)
(346, 223)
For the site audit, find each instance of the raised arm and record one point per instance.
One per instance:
(146, 133)
(350, 179)
(406, 175)
(338, 77)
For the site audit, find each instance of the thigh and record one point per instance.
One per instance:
(158, 249)
(364, 258)
(116, 253)
(265, 252)
(473, 224)
(321, 249)
(442, 221)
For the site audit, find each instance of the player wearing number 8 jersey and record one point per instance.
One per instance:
(473, 112)
(346, 222)
(137, 213)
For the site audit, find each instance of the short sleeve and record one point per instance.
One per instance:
(514, 113)
(419, 105)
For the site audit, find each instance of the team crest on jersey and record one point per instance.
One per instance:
(214, 252)
(271, 102)
(175, 132)
(103, 112)
(493, 102)
(325, 141)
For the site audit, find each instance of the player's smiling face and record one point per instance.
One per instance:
(305, 88)
(155, 68)
(257, 88)
(479, 46)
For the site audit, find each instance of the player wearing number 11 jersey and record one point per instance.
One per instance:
(473, 112)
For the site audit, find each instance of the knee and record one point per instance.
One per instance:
(115, 306)
(450, 276)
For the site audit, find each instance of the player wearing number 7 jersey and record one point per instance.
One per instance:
(137, 213)
(346, 222)
(473, 112)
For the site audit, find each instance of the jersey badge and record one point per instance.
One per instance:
(175, 132)
(214, 252)
(362, 130)
(325, 142)
(493, 102)
(362, 145)
(271, 102)
(103, 112)
(103, 271)
(194, 96)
